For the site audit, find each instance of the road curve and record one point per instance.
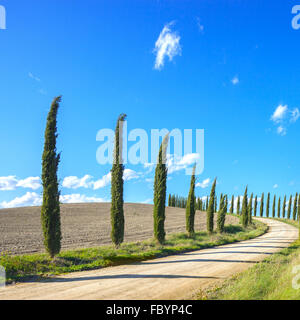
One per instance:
(172, 277)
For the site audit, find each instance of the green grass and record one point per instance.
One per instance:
(35, 266)
(270, 279)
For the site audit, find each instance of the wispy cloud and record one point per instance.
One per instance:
(12, 183)
(204, 184)
(281, 131)
(295, 114)
(283, 117)
(275, 186)
(279, 113)
(200, 25)
(235, 80)
(34, 77)
(180, 163)
(167, 45)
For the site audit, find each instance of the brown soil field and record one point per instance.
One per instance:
(87, 225)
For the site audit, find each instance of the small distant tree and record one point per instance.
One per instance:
(169, 200)
(298, 209)
(160, 188)
(283, 207)
(190, 208)
(50, 211)
(268, 205)
(245, 209)
(238, 206)
(295, 207)
(250, 209)
(210, 209)
(289, 208)
(226, 203)
(278, 208)
(232, 204)
(273, 207)
(221, 216)
(262, 205)
(255, 206)
(116, 210)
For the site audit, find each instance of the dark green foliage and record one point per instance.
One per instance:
(268, 205)
(116, 210)
(221, 215)
(273, 207)
(298, 211)
(216, 205)
(206, 204)
(262, 205)
(190, 208)
(226, 204)
(255, 206)
(160, 188)
(245, 209)
(170, 201)
(250, 209)
(278, 208)
(289, 208)
(210, 209)
(238, 206)
(283, 207)
(50, 211)
(295, 207)
(232, 204)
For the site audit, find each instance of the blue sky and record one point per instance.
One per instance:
(232, 70)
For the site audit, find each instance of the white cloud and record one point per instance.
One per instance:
(29, 199)
(275, 186)
(33, 183)
(12, 182)
(148, 201)
(200, 26)
(167, 44)
(79, 198)
(204, 184)
(103, 182)
(279, 113)
(281, 130)
(130, 174)
(175, 163)
(235, 80)
(74, 182)
(30, 75)
(295, 114)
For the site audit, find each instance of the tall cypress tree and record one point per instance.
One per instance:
(226, 203)
(250, 209)
(289, 208)
(268, 205)
(262, 205)
(221, 215)
(216, 203)
(116, 210)
(278, 208)
(232, 204)
(245, 209)
(210, 209)
(295, 207)
(160, 188)
(190, 208)
(298, 211)
(206, 205)
(283, 207)
(50, 211)
(238, 206)
(255, 206)
(274, 205)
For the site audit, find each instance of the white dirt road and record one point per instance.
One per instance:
(172, 277)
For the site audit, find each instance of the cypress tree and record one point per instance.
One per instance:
(206, 205)
(289, 208)
(216, 205)
(262, 205)
(221, 215)
(295, 207)
(283, 207)
(232, 204)
(268, 205)
(226, 203)
(160, 188)
(298, 211)
(245, 209)
(169, 201)
(238, 206)
(274, 205)
(190, 208)
(210, 209)
(278, 208)
(255, 206)
(50, 211)
(250, 209)
(116, 210)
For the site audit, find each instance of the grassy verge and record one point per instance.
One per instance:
(24, 267)
(270, 279)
